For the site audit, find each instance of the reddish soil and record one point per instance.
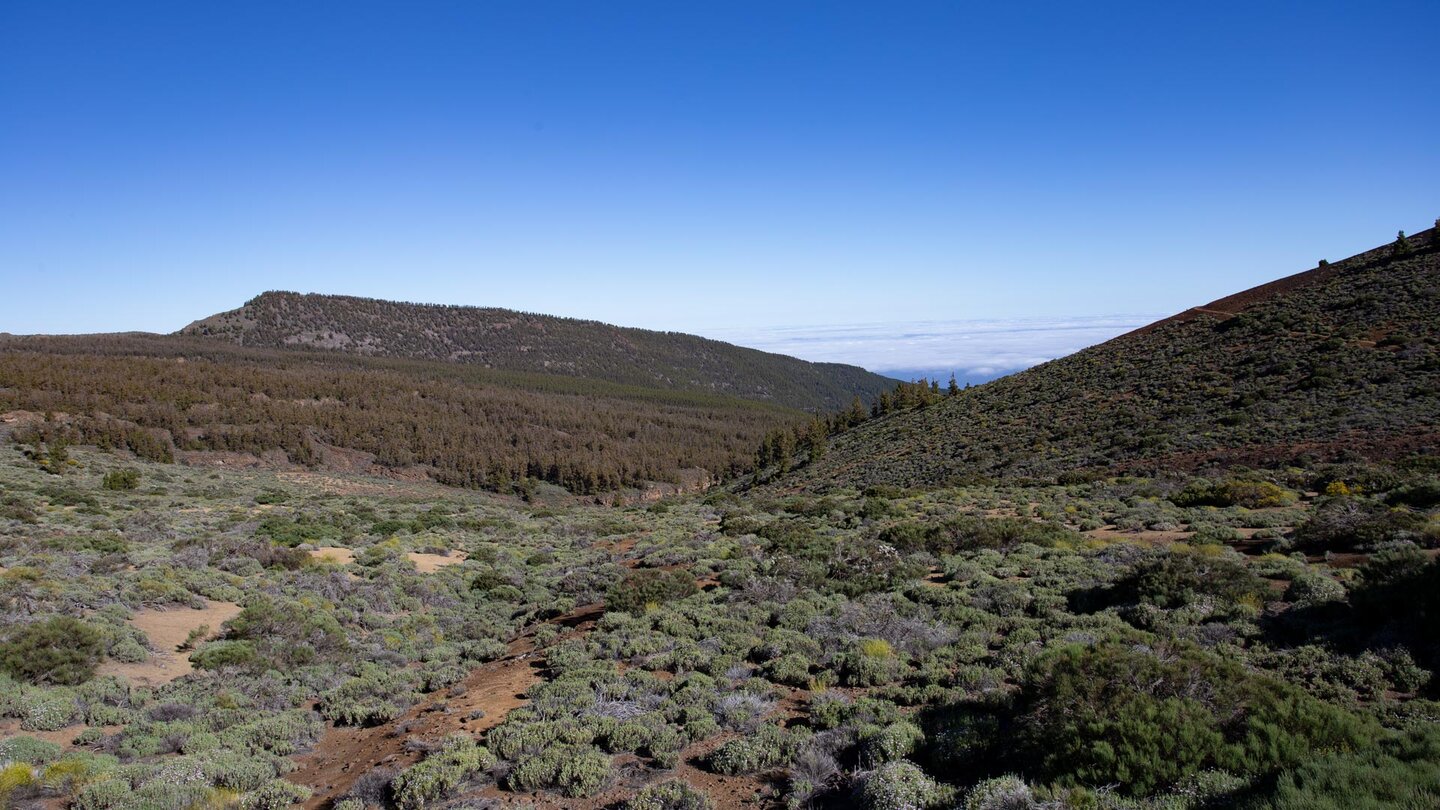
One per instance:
(1141, 536)
(1232, 305)
(345, 753)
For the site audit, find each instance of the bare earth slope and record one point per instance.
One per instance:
(1337, 362)
(526, 342)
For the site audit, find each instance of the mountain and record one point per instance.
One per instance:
(1339, 362)
(519, 341)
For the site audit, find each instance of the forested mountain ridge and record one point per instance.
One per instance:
(518, 341)
(1341, 361)
(172, 398)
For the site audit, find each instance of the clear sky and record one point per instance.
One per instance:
(723, 167)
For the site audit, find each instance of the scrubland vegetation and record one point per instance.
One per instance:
(1244, 639)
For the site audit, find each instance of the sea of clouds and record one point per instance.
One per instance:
(973, 350)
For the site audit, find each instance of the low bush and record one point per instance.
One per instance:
(118, 480)
(671, 795)
(901, 786)
(574, 770)
(441, 773)
(640, 590)
(58, 650)
(1145, 720)
(28, 749)
(769, 747)
(1177, 578)
(1234, 492)
(1403, 771)
(276, 795)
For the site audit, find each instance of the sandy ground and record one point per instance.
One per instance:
(335, 554)
(430, 563)
(168, 629)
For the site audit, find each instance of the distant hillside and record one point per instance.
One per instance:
(1342, 361)
(518, 341)
(209, 402)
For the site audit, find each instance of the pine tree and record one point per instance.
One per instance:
(816, 438)
(1402, 245)
(784, 449)
(954, 388)
(857, 412)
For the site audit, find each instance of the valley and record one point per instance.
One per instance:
(1194, 567)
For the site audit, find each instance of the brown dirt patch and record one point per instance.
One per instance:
(168, 629)
(408, 483)
(430, 563)
(344, 753)
(334, 554)
(1141, 536)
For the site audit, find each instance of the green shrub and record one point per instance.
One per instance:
(881, 744)
(575, 770)
(1234, 492)
(1177, 578)
(770, 747)
(641, 590)
(969, 533)
(792, 670)
(901, 786)
(441, 773)
(275, 795)
(49, 710)
(870, 662)
(128, 478)
(1110, 714)
(1000, 793)
(106, 794)
(59, 650)
(29, 749)
(671, 795)
(1311, 589)
(1403, 771)
(378, 695)
(301, 529)
(1345, 524)
(220, 654)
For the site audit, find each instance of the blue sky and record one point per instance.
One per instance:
(724, 168)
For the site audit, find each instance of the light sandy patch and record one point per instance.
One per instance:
(1142, 535)
(335, 554)
(62, 737)
(168, 629)
(430, 563)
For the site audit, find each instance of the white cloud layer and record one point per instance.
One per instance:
(968, 348)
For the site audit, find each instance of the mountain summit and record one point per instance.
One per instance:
(521, 341)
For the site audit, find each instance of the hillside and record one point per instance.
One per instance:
(1334, 363)
(519, 341)
(206, 402)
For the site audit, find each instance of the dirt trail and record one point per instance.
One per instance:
(345, 753)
